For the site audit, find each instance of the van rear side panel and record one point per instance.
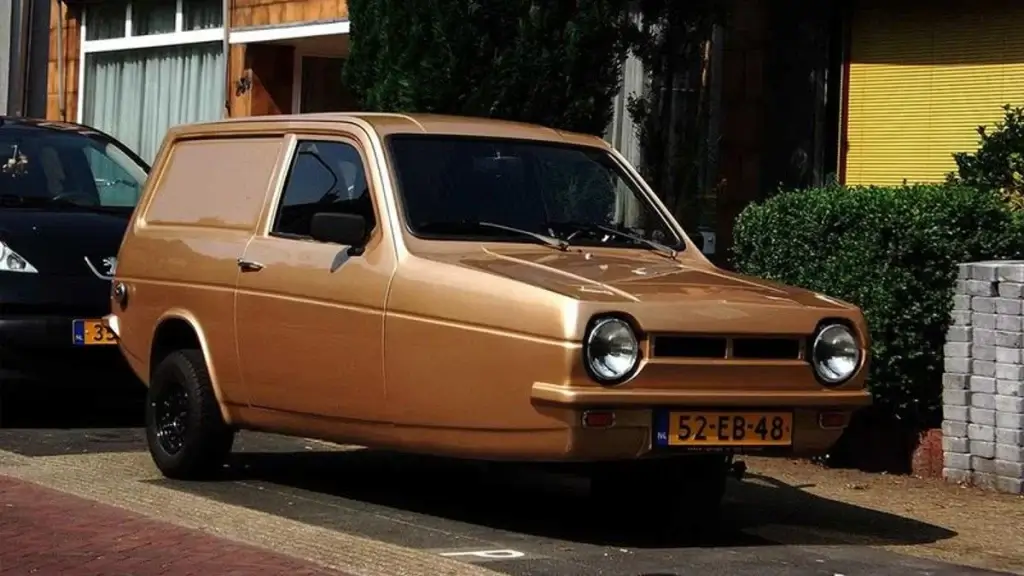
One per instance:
(179, 258)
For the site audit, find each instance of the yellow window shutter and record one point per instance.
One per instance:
(922, 78)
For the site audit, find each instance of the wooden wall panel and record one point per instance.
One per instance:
(239, 100)
(245, 13)
(271, 69)
(70, 54)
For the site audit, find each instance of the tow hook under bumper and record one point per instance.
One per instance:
(738, 469)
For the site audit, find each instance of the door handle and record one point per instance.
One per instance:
(249, 265)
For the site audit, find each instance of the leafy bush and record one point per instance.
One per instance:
(892, 251)
(998, 163)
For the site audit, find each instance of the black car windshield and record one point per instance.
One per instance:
(61, 168)
(473, 188)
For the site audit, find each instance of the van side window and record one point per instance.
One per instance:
(325, 176)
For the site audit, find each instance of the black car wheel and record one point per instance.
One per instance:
(186, 433)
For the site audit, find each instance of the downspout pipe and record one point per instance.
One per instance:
(61, 96)
(226, 8)
(19, 76)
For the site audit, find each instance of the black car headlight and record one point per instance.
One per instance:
(835, 354)
(611, 350)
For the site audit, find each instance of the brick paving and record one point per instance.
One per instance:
(47, 532)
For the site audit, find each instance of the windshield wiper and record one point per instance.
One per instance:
(461, 227)
(558, 243)
(656, 246)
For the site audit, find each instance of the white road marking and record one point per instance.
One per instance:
(503, 554)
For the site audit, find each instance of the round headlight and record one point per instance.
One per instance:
(611, 349)
(835, 353)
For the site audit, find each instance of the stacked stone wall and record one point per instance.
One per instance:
(983, 383)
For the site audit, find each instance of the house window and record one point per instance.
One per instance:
(150, 65)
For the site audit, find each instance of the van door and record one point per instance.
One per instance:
(309, 315)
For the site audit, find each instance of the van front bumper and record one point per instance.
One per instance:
(608, 424)
(594, 396)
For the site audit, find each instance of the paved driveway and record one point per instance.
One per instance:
(372, 512)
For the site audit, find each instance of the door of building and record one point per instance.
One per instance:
(321, 87)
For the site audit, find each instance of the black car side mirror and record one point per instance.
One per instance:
(344, 229)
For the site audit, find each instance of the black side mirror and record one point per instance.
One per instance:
(344, 229)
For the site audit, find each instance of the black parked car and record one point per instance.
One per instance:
(66, 195)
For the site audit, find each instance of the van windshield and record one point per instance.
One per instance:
(495, 189)
(60, 169)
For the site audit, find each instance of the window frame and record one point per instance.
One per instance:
(275, 208)
(129, 41)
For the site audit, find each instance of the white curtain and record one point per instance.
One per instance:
(136, 95)
(621, 134)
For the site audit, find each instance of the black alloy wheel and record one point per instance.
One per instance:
(170, 409)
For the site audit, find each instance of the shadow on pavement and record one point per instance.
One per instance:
(294, 478)
(83, 403)
(511, 498)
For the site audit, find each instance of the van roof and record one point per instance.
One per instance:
(385, 123)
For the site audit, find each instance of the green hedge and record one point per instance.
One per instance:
(894, 252)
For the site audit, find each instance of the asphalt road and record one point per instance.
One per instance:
(521, 523)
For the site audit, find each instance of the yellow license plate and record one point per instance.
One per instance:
(730, 428)
(91, 332)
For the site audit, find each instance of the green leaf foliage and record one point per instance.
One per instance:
(553, 63)
(893, 251)
(998, 163)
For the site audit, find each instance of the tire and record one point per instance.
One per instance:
(181, 402)
(682, 496)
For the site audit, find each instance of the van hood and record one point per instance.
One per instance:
(644, 277)
(65, 242)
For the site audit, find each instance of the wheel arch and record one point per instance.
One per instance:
(179, 330)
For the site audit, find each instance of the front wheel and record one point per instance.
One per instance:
(682, 495)
(186, 434)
